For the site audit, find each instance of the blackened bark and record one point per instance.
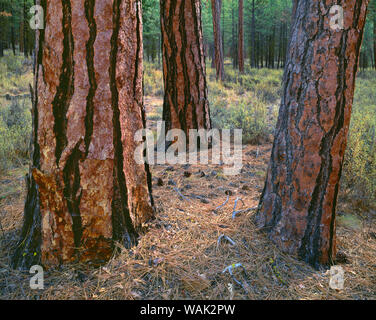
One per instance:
(85, 190)
(298, 203)
(186, 103)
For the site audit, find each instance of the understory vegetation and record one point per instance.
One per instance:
(359, 176)
(15, 116)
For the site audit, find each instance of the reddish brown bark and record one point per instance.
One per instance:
(218, 45)
(85, 190)
(186, 103)
(241, 36)
(298, 203)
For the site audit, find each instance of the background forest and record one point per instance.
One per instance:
(248, 100)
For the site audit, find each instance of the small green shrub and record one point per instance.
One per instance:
(246, 101)
(15, 74)
(248, 114)
(153, 80)
(15, 131)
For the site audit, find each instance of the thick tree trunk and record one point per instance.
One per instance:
(241, 36)
(85, 190)
(186, 103)
(298, 203)
(216, 12)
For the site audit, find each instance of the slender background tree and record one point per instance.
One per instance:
(218, 43)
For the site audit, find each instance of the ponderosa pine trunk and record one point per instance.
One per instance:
(253, 36)
(85, 190)
(241, 37)
(298, 204)
(186, 103)
(216, 12)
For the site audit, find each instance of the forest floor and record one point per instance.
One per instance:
(183, 256)
(180, 256)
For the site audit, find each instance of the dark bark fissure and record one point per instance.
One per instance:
(60, 105)
(71, 177)
(89, 11)
(65, 89)
(123, 230)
